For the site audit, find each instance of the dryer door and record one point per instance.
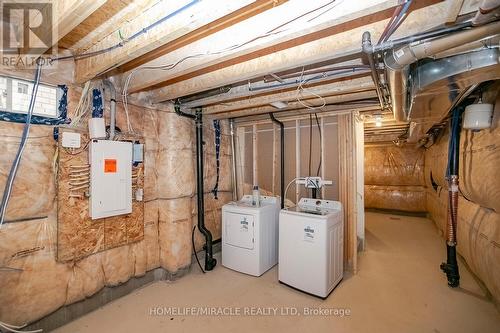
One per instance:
(240, 230)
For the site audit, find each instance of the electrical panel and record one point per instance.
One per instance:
(110, 178)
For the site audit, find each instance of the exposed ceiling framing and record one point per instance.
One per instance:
(234, 58)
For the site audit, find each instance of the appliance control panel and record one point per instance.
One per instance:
(317, 204)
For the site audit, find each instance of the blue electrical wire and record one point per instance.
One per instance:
(15, 164)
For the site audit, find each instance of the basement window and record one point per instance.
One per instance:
(15, 95)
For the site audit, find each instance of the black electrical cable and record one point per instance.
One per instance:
(320, 144)
(194, 250)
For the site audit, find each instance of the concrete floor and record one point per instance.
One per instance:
(399, 288)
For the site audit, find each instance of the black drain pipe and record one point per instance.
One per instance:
(450, 267)
(210, 262)
(282, 162)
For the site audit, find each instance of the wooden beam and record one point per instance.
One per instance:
(240, 15)
(255, 40)
(107, 20)
(327, 110)
(66, 15)
(245, 91)
(339, 44)
(453, 9)
(198, 21)
(330, 89)
(299, 114)
(296, 105)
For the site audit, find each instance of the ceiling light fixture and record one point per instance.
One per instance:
(378, 120)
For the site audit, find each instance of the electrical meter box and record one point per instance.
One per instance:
(110, 178)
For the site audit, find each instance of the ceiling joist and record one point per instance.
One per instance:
(340, 45)
(288, 25)
(183, 27)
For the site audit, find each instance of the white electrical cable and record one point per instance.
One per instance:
(15, 165)
(301, 89)
(290, 183)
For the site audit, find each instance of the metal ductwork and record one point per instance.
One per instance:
(443, 78)
(435, 87)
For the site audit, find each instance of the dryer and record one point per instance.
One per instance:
(311, 246)
(250, 235)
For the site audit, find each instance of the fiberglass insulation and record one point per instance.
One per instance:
(478, 225)
(394, 177)
(33, 283)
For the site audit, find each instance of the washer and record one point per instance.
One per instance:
(311, 246)
(250, 235)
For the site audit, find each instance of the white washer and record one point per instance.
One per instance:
(311, 246)
(250, 235)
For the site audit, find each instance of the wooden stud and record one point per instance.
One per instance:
(255, 155)
(240, 159)
(322, 148)
(297, 159)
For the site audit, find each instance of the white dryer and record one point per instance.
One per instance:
(311, 246)
(250, 235)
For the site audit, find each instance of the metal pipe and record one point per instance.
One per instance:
(233, 156)
(397, 60)
(336, 74)
(367, 50)
(205, 94)
(421, 36)
(210, 261)
(282, 158)
(177, 109)
(112, 108)
(408, 54)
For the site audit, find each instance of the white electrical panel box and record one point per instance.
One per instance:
(110, 178)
